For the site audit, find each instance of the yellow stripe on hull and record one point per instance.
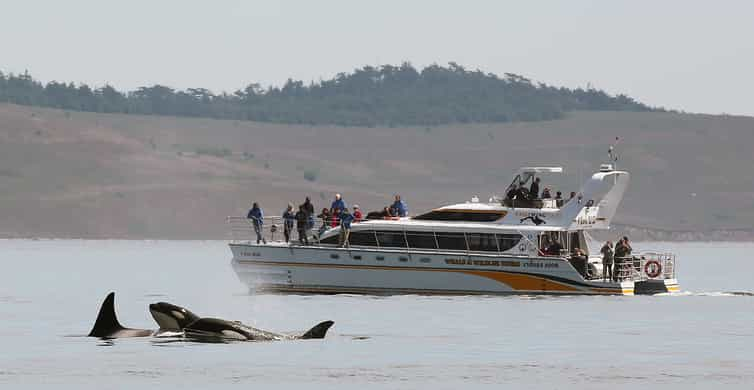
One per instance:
(519, 283)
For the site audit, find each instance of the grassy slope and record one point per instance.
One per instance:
(100, 175)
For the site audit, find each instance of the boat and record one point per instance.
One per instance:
(502, 246)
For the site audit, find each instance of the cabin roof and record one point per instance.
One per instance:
(456, 226)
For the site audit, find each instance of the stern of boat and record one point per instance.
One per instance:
(652, 272)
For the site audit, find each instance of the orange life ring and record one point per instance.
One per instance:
(653, 268)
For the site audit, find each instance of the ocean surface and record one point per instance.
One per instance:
(51, 290)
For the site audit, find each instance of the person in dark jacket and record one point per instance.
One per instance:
(309, 210)
(257, 218)
(546, 193)
(623, 248)
(622, 254)
(302, 224)
(289, 217)
(554, 248)
(534, 189)
(326, 217)
(345, 227)
(607, 261)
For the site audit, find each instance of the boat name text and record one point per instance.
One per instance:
(486, 263)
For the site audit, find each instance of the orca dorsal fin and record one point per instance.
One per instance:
(107, 322)
(318, 331)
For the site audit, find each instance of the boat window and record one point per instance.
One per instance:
(421, 240)
(508, 241)
(451, 241)
(461, 215)
(482, 242)
(363, 238)
(391, 239)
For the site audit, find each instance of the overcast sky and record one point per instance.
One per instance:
(696, 56)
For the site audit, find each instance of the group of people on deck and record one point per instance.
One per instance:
(337, 215)
(612, 258)
(532, 193)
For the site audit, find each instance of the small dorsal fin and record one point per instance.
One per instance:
(318, 331)
(107, 321)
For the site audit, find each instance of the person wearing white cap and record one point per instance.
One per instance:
(357, 215)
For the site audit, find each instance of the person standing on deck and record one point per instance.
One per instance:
(288, 219)
(607, 261)
(546, 193)
(399, 207)
(622, 252)
(345, 228)
(302, 224)
(257, 217)
(337, 205)
(309, 210)
(629, 249)
(534, 189)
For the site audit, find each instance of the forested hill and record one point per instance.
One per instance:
(371, 96)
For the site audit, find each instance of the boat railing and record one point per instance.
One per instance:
(645, 266)
(271, 229)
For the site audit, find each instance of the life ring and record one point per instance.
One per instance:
(652, 268)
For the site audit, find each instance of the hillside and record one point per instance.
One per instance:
(76, 174)
(371, 96)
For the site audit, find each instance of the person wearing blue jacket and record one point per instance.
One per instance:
(345, 227)
(338, 205)
(399, 207)
(257, 218)
(289, 218)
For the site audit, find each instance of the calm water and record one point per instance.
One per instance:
(50, 292)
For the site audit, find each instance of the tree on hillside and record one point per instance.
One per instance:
(370, 96)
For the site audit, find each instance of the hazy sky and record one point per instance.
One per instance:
(696, 56)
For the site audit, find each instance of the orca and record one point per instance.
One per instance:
(107, 326)
(171, 317)
(178, 321)
(218, 329)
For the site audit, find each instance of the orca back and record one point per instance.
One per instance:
(107, 325)
(318, 331)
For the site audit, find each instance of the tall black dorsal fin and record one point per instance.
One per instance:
(107, 321)
(318, 331)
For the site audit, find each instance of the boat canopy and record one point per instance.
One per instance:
(541, 170)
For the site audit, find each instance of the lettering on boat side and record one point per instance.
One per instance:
(534, 264)
(586, 220)
(486, 263)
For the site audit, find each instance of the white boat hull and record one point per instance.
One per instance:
(312, 269)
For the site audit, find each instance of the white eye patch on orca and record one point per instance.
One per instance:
(231, 334)
(178, 314)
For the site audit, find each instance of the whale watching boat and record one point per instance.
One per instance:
(504, 246)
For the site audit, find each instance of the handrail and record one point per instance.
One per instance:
(244, 230)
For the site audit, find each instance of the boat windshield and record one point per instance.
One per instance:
(462, 215)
